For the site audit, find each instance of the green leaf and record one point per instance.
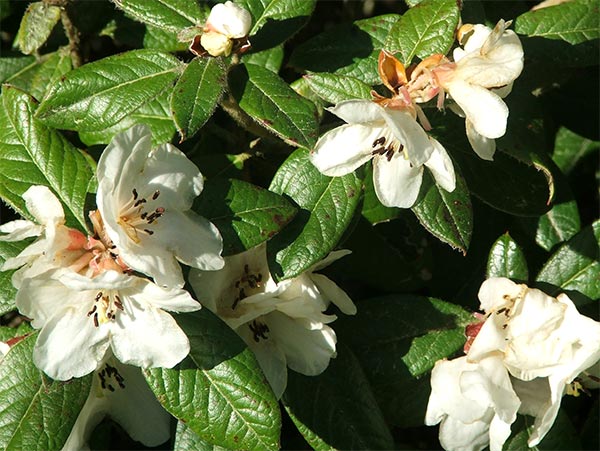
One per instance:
(447, 216)
(245, 214)
(37, 412)
(570, 148)
(506, 259)
(161, 39)
(576, 21)
(196, 94)
(100, 94)
(337, 88)
(188, 440)
(33, 154)
(274, 21)
(8, 249)
(4, 9)
(328, 205)
(273, 104)
(350, 50)
(230, 405)
(423, 30)
(270, 59)
(397, 340)
(155, 114)
(575, 266)
(373, 210)
(13, 65)
(340, 411)
(36, 25)
(170, 15)
(561, 436)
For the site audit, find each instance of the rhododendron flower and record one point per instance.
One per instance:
(81, 318)
(120, 392)
(482, 74)
(56, 245)
(394, 140)
(474, 402)
(144, 198)
(283, 323)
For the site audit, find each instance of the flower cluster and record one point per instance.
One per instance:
(392, 131)
(528, 353)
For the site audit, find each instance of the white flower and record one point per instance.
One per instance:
(81, 318)
(474, 402)
(56, 245)
(484, 71)
(144, 198)
(540, 338)
(282, 323)
(226, 23)
(394, 140)
(121, 392)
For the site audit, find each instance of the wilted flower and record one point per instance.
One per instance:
(394, 140)
(144, 198)
(81, 318)
(120, 392)
(282, 323)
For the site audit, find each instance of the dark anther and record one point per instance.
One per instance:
(118, 302)
(246, 269)
(144, 215)
(379, 141)
(98, 296)
(502, 310)
(135, 193)
(258, 330)
(149, 232)
(111, 388)
(96, 320)
(92, 311)
(155, 195)
(389, 153)
(380, 151)
(139, 202)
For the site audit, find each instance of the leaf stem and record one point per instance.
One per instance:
(70, 30)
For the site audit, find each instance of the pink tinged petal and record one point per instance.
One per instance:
(492, 337)
(148, 337)
(43, 205)
(486, 110)
(409, 133)
(334, 294)
(343, 149)
(441, 167)
(19, 230)
(483, 147)
(359, 112)
(173, 300)
(69, 345)
(396, 182)
(307, 351)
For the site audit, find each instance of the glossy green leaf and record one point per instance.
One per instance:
(316, 442)
(36, 25)
(570, 148)
(506, 259)
(269, 59)
(33, 154)
(188, 440)
(398, 339)
(575, 266)
(269, 100)
(38, 413)
(171, 15)
(327, 207)
(196, 94)
(350, 50)
(337, 88)
(99, 94)
(4, 9)
(329, 417)
(562, 435)
(447, 216)
(424, 30)
(165, 40)
(10, 66)
(230, 405)
(7, 291)
(245, 214)
(576, 21)
(274, 21)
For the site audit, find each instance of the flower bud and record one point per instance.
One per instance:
(216, 44)
(230, 20)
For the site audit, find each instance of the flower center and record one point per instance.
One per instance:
(247, 285)
(136, 220)
(110, 378)
(258, 330)
(380, 148)
(105, 308)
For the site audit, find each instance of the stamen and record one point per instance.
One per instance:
(155, 195)
(139, 202)
(135, 193)
(149, 232)
(379, 141)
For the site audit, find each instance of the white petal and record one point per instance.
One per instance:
(486, 110)
(457, 436)
(334, 294)
(148, 338)
(43, 205)
(396, 182)
(407, 130)
(499, 433)
(331, 257)
(94, 409)
(19, 230)
(484, 147)
(358, 112)
(496, 293)
(230, 19)
(108, 279)
(173, 300)
(441, 167)
(343, 149)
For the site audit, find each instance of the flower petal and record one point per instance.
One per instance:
(230, 19)
(331, 257)
(484, 147)
(173, 300)
(44, 206)
(407, 130)
(396, 182)
(334, 294)
(343, 149)
(441, 167)
(19, 230)
(358, 112)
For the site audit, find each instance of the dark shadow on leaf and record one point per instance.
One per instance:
(275, 32)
